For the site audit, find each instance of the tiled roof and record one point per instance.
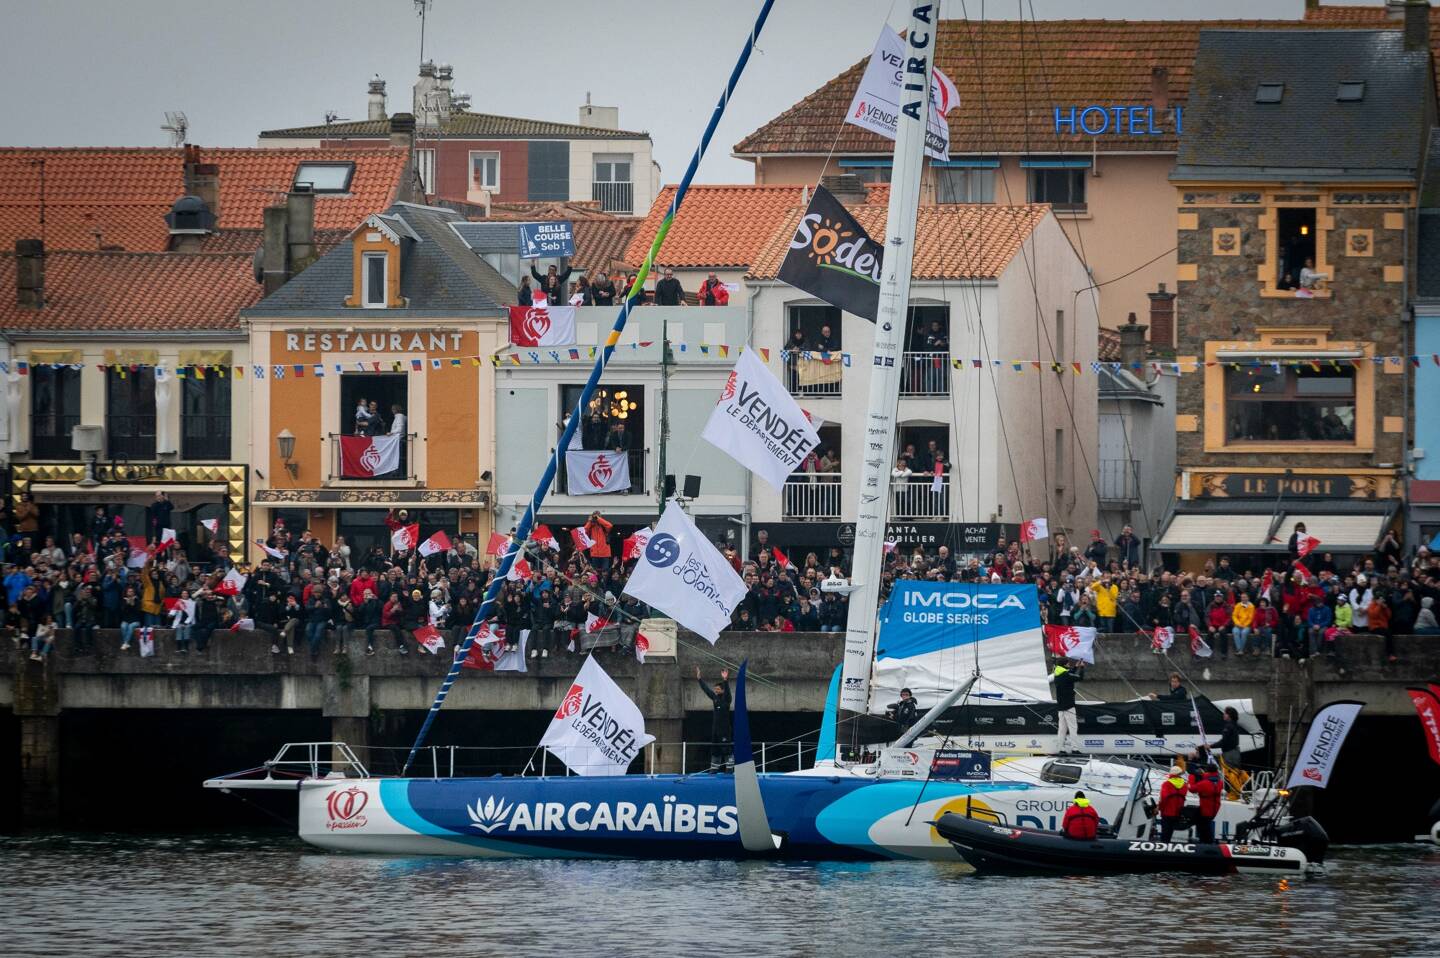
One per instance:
(164, 292)
(1348, 13)
(248, 241)
(1109, 346)
(92, 197)
(952, 241)
(717, 225)
(1011, 74)
(252, 179)
(463, 125)
(601, 243)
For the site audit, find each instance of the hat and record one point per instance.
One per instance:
(1342, 598)
(1175, 769)
(1360, 579)
(1095, 533)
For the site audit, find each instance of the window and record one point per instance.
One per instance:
(869, 172)
(204, 417)
(1295, 235)
(325, 177)
(813, 361)
(1313, 403)
(615, 419)
(1062, 187)
(1060, 351)
(130, 413)
(964, 186)
(485, 171)
(1350, 91)
(925, 370)
(54, 411)
(377, 266)
(1269, 93)
(425, 167)
(812, 492)
(381, 394)
(612, 187)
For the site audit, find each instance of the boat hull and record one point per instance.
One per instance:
(1008, 850)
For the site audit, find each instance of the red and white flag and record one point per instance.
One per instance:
(404, 538)
(1034, 530)
(634, 545)
(212, 524)
(519, 570)
(232, 583)
(642, 645)
(545, 537)
(938, 482)
(439, 542)
(147, 641)
(1302, 572)
(542, 325)
(1198, 646)
(498, 545)
(167, 538)
(1071, 642)
(1162, 638)
(491, 653)
(591, 472)
(1427, 706)
(594, 623)
(1305, 544)
(581, 538)
(365, 457)
(430, 639)
(1267, 582)
(243, 625)
(271, 551)
(781, 558)
(891, 545)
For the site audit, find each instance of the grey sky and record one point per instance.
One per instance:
(103, 72)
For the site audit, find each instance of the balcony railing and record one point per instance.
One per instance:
(406, 468)
(130, 437)
(925, 374)
(636, 459)
(812, 496)
(614, 197)
(919, 499)
(50, 436)
(815, 375)
(204, 437)
(1119, 480)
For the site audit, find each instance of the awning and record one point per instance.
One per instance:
(185, 496)
(1193, 532)
(1338, 533)
(1228, 525)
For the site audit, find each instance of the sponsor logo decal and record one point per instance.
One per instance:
(1161, 847)
(572, 701)
(1313, 774)
(490, 814)
(662, 550)
(728, 392)
(1106, 719)
(344, 807)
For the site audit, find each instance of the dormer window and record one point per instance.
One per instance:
(1350, 91)
(377, 250)
(325, 177)
(1269, 93)
(375, 274)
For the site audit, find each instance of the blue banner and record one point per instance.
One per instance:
(546, 239)
(960, 765)
(922, 616)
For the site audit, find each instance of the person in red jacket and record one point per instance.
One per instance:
(1205, 783)
(1172, 802)
(1081, 821)
(713, 292)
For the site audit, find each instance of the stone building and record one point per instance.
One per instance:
(1296, 188)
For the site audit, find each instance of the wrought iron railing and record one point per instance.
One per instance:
(130, 437)
(812, 496)
(925, 374)
(614, 197)
(50, 436)
(406, 469)
(204, 436)
(920, 499)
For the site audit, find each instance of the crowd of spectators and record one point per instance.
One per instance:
(554, 288)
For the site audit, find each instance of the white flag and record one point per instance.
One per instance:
(1327, 733)
(212, 524)
(683, 575)
(591, 473)
(876, 104)
(147, 642)
(758, 424)
(597, 730)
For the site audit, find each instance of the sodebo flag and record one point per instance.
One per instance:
(542, 325)
(597, 730)
(758, 424)
(1327, 733)
(683, 575)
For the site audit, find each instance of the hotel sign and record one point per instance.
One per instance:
(1274, 486)
(1096, 120)
(377, 341)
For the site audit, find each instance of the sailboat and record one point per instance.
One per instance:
(836, 810)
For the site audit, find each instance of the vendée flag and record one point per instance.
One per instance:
(364, 457)
(1328, 729)
(404, 538)
(1305, 544)
(545, 537)
(1034, 530)
(439, 542)
(758, 425)
(589, 473)
(683, 575)
(876, 104)
(1162, 638)
(581, 538)
(1072, 642)
(542, 325)
(597, 730)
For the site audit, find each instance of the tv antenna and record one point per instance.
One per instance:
(176, 125)
(332, 117)
(422, 7)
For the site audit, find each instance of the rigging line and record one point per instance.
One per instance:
(602, 359)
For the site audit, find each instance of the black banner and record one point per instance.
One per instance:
(833, 258)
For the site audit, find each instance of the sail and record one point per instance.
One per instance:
(935, 634)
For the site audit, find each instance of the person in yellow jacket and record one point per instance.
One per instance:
(1242, 619)
(152, 592)
(1107, 598)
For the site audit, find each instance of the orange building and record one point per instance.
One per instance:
(403, 316)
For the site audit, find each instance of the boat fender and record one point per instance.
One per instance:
(1435, 833)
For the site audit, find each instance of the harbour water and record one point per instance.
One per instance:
(262, 893)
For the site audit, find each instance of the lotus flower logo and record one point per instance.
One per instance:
(571, 704)
(728, 392)
(536, 324)
(600, 472)
(489, 814)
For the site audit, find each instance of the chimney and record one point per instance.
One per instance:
(402, 134)
(30, 273)
(377, 99)
(1162, 318)
(1417, 26)
(1395, 10)
(300, 231)
(1160, 88)
(275, 250)
(848, 188)
(423, 98)
(599, 117)
(444, 80)
(1132, 343)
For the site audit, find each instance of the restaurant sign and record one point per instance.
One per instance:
(1275, 485)
(374, 341)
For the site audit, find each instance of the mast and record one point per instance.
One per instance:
(665, 360)
(874, 502)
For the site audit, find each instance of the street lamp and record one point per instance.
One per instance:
(286, 442)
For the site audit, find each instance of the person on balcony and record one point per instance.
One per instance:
(936, 339)
(618, 439)
(552, 284)
(825, 341)
(713, 292)
(902, 472)
(668, 291)
(602, 290)
(1310, 278)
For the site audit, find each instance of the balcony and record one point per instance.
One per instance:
(130, 437)
(406, 471)
(614, 197)
(812, 496)
(204, 438)
(815, 376)
(919, 499)
(636, 459)
(1119, 482)
(50, 436)
(925, 374)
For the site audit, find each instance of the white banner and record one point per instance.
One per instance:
(591, 473)
(758, 424)
(683, 575)
(876, 104)
(597, 730)
(1316, 759)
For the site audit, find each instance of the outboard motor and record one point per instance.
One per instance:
(1304, 834)
(1435, 822)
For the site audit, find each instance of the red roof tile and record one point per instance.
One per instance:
(717, 225)
(252, 179)
(1109, 348)
(601, 243)
(1011, 75)
(952, 241)
(165, 292)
